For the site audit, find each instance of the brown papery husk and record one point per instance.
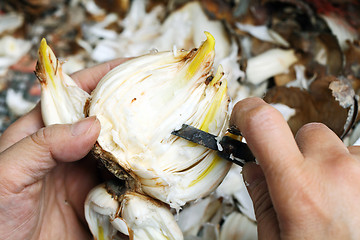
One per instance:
(120, 7)
(284, 78)
(315, 105)
(310, 44)
(218, 9)
(352, 66)
(258, 46)
(33, 9)
(110, 162)
(352, 63)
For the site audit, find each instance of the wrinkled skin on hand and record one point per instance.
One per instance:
(44, 177)
(307, 187)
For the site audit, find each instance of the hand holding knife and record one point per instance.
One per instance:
(227, 147)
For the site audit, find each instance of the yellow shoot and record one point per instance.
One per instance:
(207, 47)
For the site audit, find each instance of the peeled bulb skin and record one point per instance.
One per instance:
(134, 215)
(142, 101)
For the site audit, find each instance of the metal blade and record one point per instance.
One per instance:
(198, 136)
(230, 149)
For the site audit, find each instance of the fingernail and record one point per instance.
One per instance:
(83, 126)
(252, 174)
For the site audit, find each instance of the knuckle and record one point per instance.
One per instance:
(262, 200)
(311, 127)
(343, 165)
(41, 137)
(245, 102)
(8, 186)
(310, 131)
(246, 110)
(265, 115)
(262, 111)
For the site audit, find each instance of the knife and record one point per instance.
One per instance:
(227, 147)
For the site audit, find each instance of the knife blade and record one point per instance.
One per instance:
(227, 147)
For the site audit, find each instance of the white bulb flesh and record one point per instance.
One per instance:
(142, 101)
(134, 215)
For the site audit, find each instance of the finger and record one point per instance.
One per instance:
(354, 150)
(29, 160)
(268, 226)
(23, 127)
(317, 141)
(87, 79)
(268, 136)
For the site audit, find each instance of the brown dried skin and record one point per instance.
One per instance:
(334, 54)
(87, 106)
(118, 6)
(286, 17)
(232, 11)
(110, 163)
(34, 8)
(285, 78)
(40, 73)
(296, 99)
(332, 114)
(221, 10)
(346, 9)
(292, 8)
(316, 105)
(309, 45)
(306, 33)
(300, 26)
(258, 46)
(312, 67)
(352, 67)
(352, 63)
(116, 188)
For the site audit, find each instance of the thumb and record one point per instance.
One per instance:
(268, 226)
(30, 159)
